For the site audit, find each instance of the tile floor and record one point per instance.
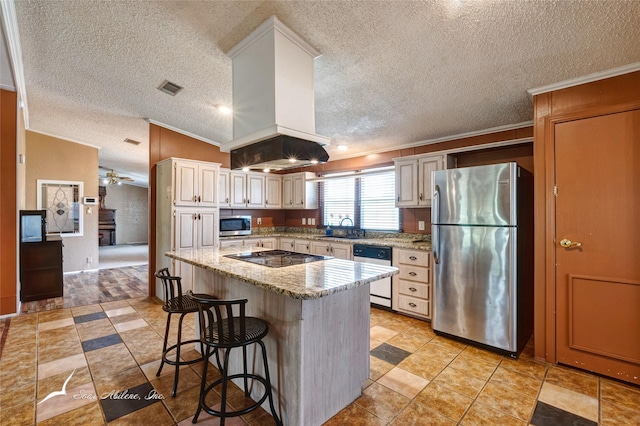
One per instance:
(109, 352)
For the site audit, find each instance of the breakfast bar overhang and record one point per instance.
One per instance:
(318, 316)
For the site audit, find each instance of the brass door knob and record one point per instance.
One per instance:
(568, 243)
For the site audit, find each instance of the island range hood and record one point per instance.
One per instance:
(273, 101)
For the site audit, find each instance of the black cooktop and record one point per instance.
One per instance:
(277, 258)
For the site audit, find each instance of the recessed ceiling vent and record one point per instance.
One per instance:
(169, 88)
(132, 142)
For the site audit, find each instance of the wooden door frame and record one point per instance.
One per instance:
(544, 153)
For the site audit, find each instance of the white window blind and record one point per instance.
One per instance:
(339, 200)
(377, 202)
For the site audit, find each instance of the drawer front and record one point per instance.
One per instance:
(415, 305)
(414, 273)
(414, 257)
(414, 289)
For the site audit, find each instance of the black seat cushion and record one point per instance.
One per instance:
(255, 329)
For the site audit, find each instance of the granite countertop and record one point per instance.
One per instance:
(307, 281)
(396, 241)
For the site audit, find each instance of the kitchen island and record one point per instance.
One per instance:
(318, 315)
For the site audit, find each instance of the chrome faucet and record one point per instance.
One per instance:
(346, 218)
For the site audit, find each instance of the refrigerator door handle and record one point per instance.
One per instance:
(435, 220)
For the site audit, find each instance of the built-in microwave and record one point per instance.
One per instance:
(235, 225)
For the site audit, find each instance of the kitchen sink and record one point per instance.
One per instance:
(344, 237)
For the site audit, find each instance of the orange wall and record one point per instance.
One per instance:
(8, 203)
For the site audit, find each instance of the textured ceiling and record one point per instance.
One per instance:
(391, 72)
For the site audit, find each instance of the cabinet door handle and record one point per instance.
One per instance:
(420, 196)
(199, 217)
(413, 274)
(413, 289)
(266, 201)
(398, 198)
(413, 305)
(199, 198)
(301, 201)
(413, 258)
(226, 200)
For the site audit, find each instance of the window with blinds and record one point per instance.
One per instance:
(339, 200)
(378, 209)
(375, 196)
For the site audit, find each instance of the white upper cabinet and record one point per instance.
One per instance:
(413, 178)
(195, 184)
(273, 187)
(255, 191)
(298, 192)
(224, 198)
(406, 182)
(238, 189)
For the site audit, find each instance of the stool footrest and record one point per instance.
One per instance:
(244, 411)
(178, 362)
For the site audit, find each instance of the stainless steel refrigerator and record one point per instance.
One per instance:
(482, 238)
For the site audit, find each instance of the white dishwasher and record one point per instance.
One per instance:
(380, 294)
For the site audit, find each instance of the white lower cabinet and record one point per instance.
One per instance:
(270, 243)
(296, 245)
(337, 250)
(412, 285)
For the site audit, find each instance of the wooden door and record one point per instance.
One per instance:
(597, 168)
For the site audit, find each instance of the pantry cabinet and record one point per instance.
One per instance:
(187, 214)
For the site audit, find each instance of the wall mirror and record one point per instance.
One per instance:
(61, 200)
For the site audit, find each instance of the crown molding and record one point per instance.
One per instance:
(182, 132)
(64, 139)
(614, 72)
(10, 24)
(450, 138)
(273, 23)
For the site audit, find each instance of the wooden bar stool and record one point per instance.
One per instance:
(221, 330)
(176, 303)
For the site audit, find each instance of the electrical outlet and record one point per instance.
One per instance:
(304, 221)
(89, 259)
(313, 220)
(421, 225)
(259, 221)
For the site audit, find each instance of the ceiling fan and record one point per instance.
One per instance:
(113, 178)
